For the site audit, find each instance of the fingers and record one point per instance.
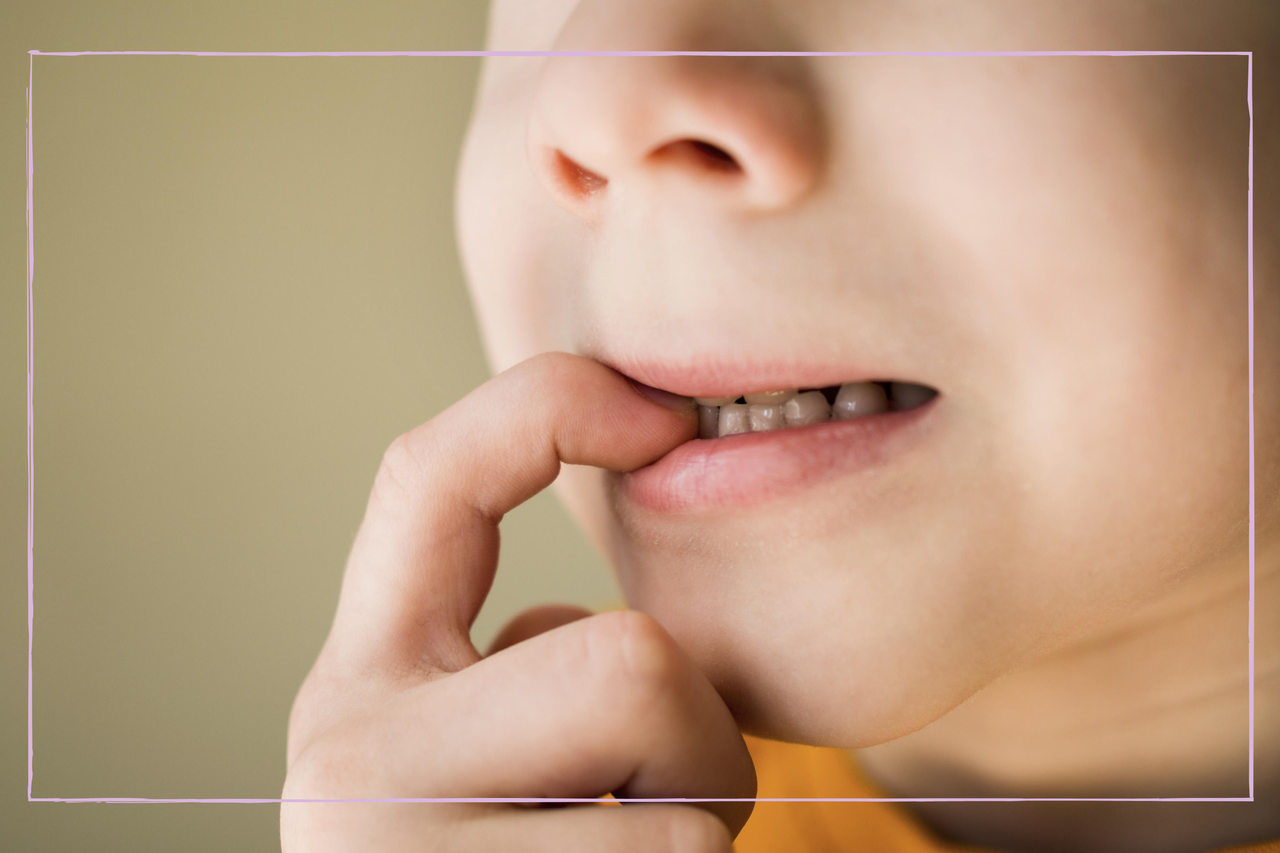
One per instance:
(418, 827)
(534, 621)
(647, 828)
(425, 554)
(606, 703)
(566, 705)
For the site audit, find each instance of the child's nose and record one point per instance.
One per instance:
(744, 132)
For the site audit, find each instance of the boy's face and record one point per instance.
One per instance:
(1056, 244)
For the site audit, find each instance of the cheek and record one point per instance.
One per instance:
(1143, 474)
(1126, 388)
(851, 616)
(1110, 288)
(516, 245)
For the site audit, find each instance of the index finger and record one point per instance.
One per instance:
(424, 558)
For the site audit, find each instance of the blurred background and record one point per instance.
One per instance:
(246, 286)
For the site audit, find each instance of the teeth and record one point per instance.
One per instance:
(807, 408)
(905, 395)
(778, 397)
(708, 421)
(765, 416)
(770, 410)
(859, 399)
(734, 419)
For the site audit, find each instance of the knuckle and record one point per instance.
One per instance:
(397, 472)
(316, 774)
(549, 372)
(631, 654)
(300, 726)
(320, 704)
(345, 760)
(551, 362)
(693, 830)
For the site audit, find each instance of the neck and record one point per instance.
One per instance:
(1158, 707)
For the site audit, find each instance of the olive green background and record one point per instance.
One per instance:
(246, 286)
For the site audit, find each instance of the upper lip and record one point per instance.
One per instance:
(718, 376)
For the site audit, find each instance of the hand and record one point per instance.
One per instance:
(400, 704)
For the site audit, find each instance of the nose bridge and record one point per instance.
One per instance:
(745, 130)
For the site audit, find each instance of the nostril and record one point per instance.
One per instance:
(580, 180)
(698, 152)
(716, 156)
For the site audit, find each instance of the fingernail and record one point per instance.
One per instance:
(665, 398)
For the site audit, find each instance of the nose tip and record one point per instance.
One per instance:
(743, 131)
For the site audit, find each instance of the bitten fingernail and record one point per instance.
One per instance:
(665, 398)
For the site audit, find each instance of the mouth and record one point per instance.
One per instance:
(720, 417)
(758, 447)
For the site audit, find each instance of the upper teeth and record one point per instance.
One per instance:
(770, 410)
(778, 397)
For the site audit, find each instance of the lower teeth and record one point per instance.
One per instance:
(733, 419)
(780, 411)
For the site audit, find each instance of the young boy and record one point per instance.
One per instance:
(938, 465)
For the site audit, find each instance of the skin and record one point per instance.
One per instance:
(400, 705)
(1044, 597)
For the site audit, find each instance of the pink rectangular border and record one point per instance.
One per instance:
(31, 265)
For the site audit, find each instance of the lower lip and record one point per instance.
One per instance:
(754, 468)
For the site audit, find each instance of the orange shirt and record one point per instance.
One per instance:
(789, 770)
